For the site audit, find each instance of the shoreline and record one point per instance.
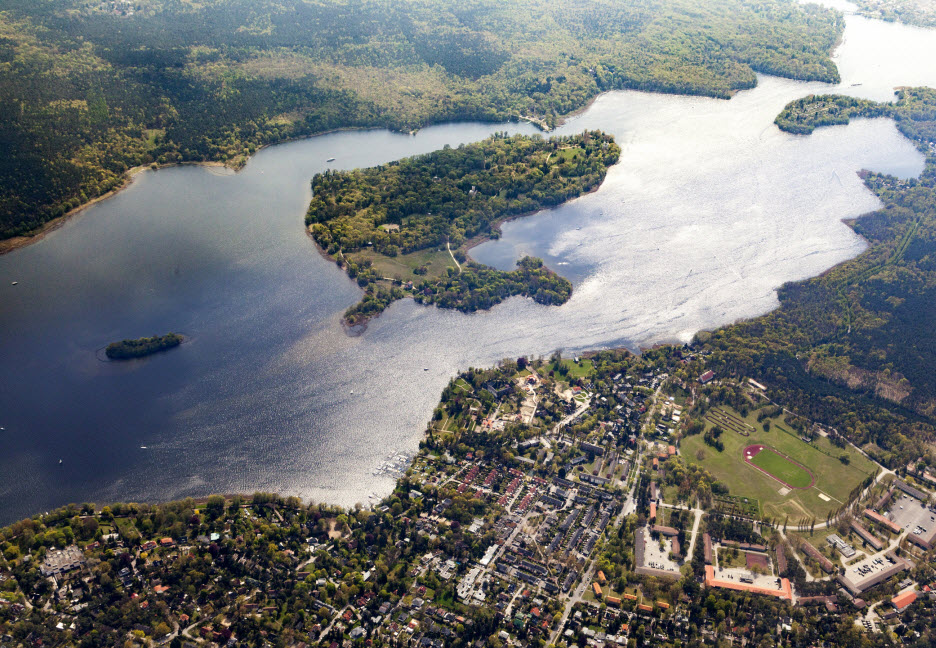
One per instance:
(475, 241)
(17, 242)
(358, 328)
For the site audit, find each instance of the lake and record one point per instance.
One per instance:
(710, 209)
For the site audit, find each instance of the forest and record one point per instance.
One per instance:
(912, 12)
(90, 89)
(370, 220)
(854, 347)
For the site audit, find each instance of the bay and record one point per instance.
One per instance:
(710, 209)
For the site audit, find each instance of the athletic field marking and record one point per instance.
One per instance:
(752, 451)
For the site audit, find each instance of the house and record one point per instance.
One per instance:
(706, 377)
(902, 601)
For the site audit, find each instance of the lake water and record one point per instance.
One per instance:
(710, 209)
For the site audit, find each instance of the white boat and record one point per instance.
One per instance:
(60, 462)
(142, 447)
(330, 160)
(14, 283)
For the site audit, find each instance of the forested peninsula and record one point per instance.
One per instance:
(404, 228)
(89, 90)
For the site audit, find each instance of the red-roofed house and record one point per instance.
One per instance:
(901, 601)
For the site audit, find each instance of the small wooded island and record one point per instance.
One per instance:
(404, 228)
(914, 113)
(144, 346)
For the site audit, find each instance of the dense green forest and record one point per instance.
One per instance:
(912, 12)
(453, 195)
(855, 346)
(89, 89)
(378, 223)
(127, 349)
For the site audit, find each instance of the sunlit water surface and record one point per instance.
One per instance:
(710, 209)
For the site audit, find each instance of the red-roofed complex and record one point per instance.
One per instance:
(785, 591)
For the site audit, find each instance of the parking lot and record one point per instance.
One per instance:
(657, 559)
(911, 514)
(746, 577)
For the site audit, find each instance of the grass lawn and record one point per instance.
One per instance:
(730, 558)
(834, 479)
(126, 528)
(403, 265)
(781, 468)
(583, 369)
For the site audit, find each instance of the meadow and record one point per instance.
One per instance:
(834, 479)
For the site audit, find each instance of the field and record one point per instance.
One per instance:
(402, 265)
(802, 498)
(583, 369)
(789, 472)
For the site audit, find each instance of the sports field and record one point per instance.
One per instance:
(782, 469)
(790, 478)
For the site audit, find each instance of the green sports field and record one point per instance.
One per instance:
(834, 480)
(783, 469)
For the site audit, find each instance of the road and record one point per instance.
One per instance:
(628, 507)
(449, 248)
